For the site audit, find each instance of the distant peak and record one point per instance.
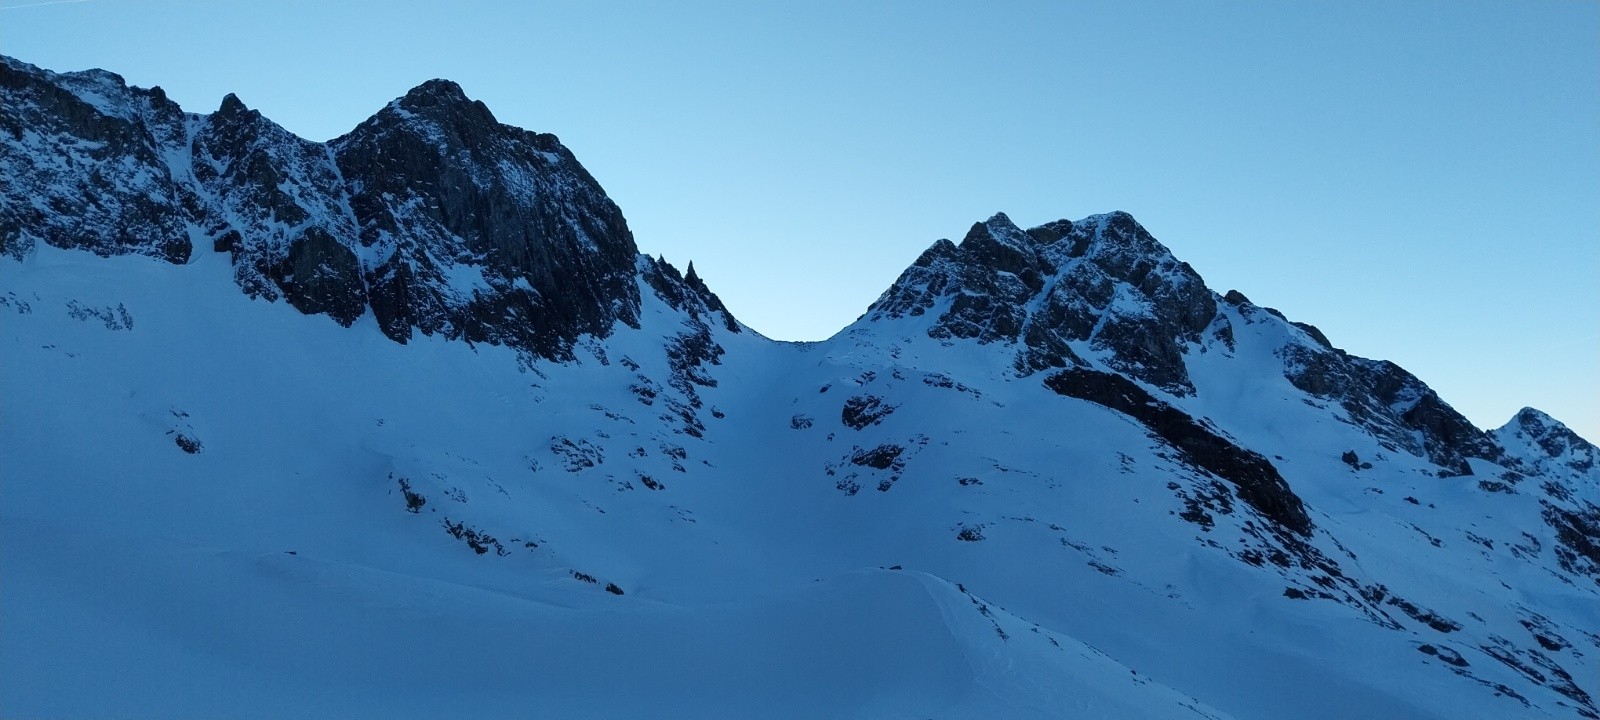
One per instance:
(437, 89)
(998, 228)
(1547, 436)
(1000, 219)
(440, 99)
(1537, 424)
(1119, 222)
(1534, 413)
(1535, 420)
(231, 104)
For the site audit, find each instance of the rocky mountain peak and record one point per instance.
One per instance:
(1536, 423)
(435, 91)
(998, 244)
(1542, 441)
(83, 165)
(1103, 294)
(431, 214)
(445, 103)
(440, 189)
(231, 105)
(1098, 290)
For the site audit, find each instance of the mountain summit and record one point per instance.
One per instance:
(431, 215)
(404, 425)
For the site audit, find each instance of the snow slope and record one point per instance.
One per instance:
(276, 571)
(1050, 474)
(753, 584)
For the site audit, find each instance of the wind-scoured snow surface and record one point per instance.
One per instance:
(1050, 474)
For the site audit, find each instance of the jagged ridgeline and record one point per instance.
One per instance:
(436, 218)
(431, 215)
(1043, 454)
(1105, 286)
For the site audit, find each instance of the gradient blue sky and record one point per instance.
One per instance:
(1419, 179)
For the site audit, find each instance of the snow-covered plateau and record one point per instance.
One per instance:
(403, 425)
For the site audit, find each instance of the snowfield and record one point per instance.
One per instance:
(277, 571)
(404, 425)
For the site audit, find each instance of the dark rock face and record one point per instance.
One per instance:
(431, 214)
(1101, 285)
(1102, 293)
(1255, 479)
(442, 192)
(276, 203)
(1543, 444)
(1448, 438)
(1445, 654)
(690, 353)
(686, 293)
(1577, 527)
(863, 410)
(1390, 403)
(1538, 445)
(321, 276)
(82, 165)
(881, 457)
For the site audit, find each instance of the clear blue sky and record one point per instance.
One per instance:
(1419, 179)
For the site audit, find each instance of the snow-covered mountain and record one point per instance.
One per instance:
(402, 424)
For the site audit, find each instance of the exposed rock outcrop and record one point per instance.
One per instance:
(432, 214)
(1254, 478)
(85, 165)
(1099, 288)
(481, 230)
(1391, 403)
